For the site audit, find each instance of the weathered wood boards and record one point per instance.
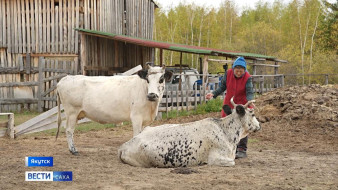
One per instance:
(8, 128)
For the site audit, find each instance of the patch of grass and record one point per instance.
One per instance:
(214, 105)
(253, 140)
(21, 117)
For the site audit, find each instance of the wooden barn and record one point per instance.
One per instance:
(42, 41)
(39, 44)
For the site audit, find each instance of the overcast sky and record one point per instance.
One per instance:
(215, 3)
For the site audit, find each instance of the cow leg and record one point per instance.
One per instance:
(137, 125)
(217, 158)
(70, 127)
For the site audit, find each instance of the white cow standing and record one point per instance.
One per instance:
(111, 99)
(211, 141)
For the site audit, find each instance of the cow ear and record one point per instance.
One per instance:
(142, 74)
(168, 75)
(240, 110)
(149, 64)
(227, 109)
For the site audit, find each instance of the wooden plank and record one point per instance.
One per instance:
(23, 19)
(265, 65)
(8, 101)
(85, 14)
(48, 20)
(56, 28)
(65, 23)
(15, 23)
(73, 26)
(46, 83)
(41, 36)
(2, 29)
(55, 77)
(44, 28)
(28, 64)
(33, 45)
(3, 11)
(69, 19)
(61, 26)
(28, 34)
(76, 65)
(40, 124)
(132, 70)
(95, 16)
(54, 83)
(9, 24)
(41, 83)
(77, 26)
(163, 109)
(36, 33)
(37, 119)
(20, 63)
(36, 8)
(13, 84)
(52, 25)
(54, 125)
(83, 54)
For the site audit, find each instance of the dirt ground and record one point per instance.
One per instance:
(296, 149)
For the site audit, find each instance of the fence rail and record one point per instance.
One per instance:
(186, 97)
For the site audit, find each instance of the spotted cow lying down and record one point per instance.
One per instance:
(208, 141)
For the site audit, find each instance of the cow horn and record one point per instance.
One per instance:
(232, 102)
(149, 64)
(247, 104)
(163, 67)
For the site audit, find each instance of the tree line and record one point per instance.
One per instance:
(303, 32)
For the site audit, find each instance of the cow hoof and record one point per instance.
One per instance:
(75, 153)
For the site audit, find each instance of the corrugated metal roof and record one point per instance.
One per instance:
(174, 47)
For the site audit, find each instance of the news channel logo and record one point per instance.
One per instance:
(49, 176)
(39, 161)
(45, 175)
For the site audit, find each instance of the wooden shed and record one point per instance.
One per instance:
(39, 43)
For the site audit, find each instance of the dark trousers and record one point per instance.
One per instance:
(243, 143)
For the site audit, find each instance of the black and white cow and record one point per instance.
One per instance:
(111, 99)
(208, 141)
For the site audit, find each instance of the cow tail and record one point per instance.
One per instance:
(59, 115)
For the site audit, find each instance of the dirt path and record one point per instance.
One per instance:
(286, 154)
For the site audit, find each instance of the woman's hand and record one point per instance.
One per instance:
(209, 96)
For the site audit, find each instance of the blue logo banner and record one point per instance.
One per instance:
(49, 176)
(39, 161)
(62, 176)
(39, 176)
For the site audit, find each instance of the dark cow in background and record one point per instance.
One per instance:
(111, 99)
(208, 141)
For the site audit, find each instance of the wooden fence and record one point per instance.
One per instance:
(32, 85)
(47, 26)
(188, 97)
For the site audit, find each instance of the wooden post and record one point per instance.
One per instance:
(83, 55)
(180, 81)
(166, 99)
(276, 79)
(10, 126)
(261, 85)
(9, 130)
(161, 57)
(326, 79)
(205, 75)
(41, 83)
